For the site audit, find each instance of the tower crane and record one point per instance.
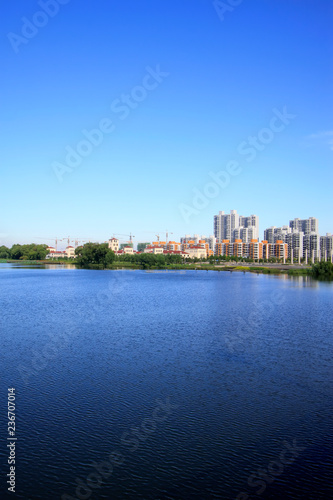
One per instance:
(55, 239)
(131, 236)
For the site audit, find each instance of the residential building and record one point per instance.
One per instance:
(194, 240)
(155, 249)
(267, 250)
(126, 251)
(326, 247)
(114, 244)
(173, 245)
(56, 254)
(273, 233)
(255, 250)
(280, 250)
(306, 226)
(70, 252)
(295, 244)
(223, 248)
(226, 226)
(311, 246)
(236, 248)
(196, 251)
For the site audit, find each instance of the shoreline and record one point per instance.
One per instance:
(262, 268)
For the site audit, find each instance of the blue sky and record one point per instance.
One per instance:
(221, 78)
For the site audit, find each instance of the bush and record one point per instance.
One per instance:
(322, 270)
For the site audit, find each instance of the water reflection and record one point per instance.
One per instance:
(11, 265)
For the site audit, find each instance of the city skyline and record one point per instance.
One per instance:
(250, 224)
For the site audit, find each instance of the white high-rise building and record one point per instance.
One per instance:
(272, 234)
(252, 220)
(295, 243)
(307, 226)
(326, 247)
(311, 243)
(229, 226)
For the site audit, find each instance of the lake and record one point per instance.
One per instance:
(167, 385)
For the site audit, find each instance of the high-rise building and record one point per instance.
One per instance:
(307, 226)
(226, 227)
(311, 244)
(194, 240)
(326, 247)
(295, 244)
(272, 234)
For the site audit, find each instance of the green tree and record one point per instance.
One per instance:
(4, 252)
(94, 254)
(28, 252)
(322, 270)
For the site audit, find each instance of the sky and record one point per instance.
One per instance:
(141, 116)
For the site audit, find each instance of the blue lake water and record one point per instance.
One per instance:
(189, 382)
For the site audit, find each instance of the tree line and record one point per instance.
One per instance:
(24, 252)
(95, 254)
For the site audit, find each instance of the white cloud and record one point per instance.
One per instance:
(325, 137)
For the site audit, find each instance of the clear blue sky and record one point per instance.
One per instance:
(225, 78)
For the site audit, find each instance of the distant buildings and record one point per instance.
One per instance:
(69, 252)
(114, 244)
(272, 234)
(233, 227)
(301, 235)
(189, 247)
(253, 250)
(195, 239)
(306, 226)
(237, 236)
(326, 246)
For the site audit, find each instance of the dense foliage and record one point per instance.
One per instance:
(147, 260)
(322, 270)
(94, 254)
(99, 255)
(24, 252)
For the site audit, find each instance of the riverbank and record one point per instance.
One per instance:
(262, 268)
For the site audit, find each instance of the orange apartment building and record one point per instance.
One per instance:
(281, 250)
(222, 248)
(254, 250)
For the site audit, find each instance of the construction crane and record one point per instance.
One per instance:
(56, 240)
(131, 236)
(158, 235)
(69, 240)
(77, 241)
(167, 236)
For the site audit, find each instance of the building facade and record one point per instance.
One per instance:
(114, 244)
(306, 226)
(233, 227)
(326, 247)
